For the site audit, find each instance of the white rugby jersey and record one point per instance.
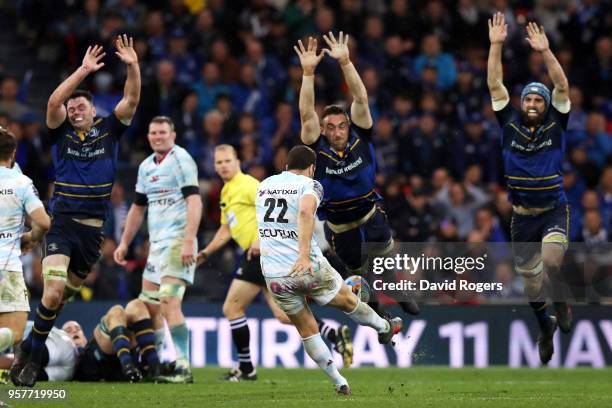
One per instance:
(18, 197)
(277, 207)
(162, 183)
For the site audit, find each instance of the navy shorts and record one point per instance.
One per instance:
(250, 271)
(349, 245)
(81, 243)
(528, 231)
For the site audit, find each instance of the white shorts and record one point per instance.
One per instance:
(290, 293)
(165, 260)
(62, 356)
(13, 292)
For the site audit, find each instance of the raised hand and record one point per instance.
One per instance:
(498, 29)
(125, 49)
(337, 49)
(91, 60)
(536, 37)
(308, 57)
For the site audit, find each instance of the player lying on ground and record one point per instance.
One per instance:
(533, 143)
(294, 266)
(19, 202)
(167, 188)
(85, 158)
(238, 222)
(346, 167)
(121, 348)
(60, 354)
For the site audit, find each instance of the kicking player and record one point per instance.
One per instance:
(84, 155)
(346, 165)
(168, 186)
(294, 266)
(18, 200)
(122, 347)
(533, 141)
(238, 222)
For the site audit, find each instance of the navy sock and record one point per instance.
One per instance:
(43, 323)
(145, 338)
(539, 308)
(121, 344)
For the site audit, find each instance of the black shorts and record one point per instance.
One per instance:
(250, 271)
(528, 231)
(78, 241)
(95, 365)
(349, 245)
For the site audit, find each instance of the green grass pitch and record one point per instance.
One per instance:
(372, 387)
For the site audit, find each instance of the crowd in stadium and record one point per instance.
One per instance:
(226, 72)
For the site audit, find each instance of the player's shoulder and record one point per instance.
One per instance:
(148, 161)
(181, 153)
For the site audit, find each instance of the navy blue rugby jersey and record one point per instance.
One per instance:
(85, 166)
(348, 179)
(533, 159)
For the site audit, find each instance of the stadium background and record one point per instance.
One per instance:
(226, 73)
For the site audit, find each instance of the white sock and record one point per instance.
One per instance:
(319, 352)
(160, 335)
(366, 316)
(6, 338)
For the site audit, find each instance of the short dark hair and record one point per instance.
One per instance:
(8, 143)
(163, 119)
(300, 158)
(81, 93)
(334, 110)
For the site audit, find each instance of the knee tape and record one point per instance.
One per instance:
(171, 290)
(556, 238)
(55, 272)
(70, 290)
(530, 272)
(149, 296)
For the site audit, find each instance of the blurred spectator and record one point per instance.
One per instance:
(432, 56)
(208, 87)
(184, 62)
(461, 203)
(9, 88)
(423, 149)
(594, 140)
(605, 195)
(117, 214)
(188, 126)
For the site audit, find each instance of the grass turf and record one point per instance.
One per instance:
(376, 388)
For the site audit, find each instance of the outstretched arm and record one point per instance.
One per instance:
(56, 111)
(309, 59)
(360, 110)
(498, 30)
(126, 108)
(538, 41)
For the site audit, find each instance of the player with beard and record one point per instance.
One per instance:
(533, 143)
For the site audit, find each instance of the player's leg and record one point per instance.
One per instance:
(239, 296)
(12, 325)
(171, 292)
(316, 348)
(55, 274)
(150, 296)
(528, 262)
(347, 246)
(554, 245)
(379, 239)
(113, 338)
(14, 308)
(141, 326)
